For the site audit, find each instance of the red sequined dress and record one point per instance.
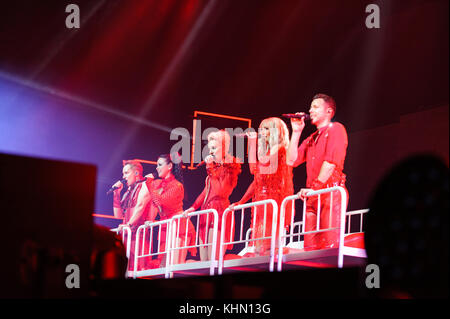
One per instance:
(276, 184)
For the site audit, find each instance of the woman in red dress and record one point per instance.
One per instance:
(167, 195)
(272, 177)
(223, 170)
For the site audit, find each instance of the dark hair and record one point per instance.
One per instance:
(328, 99)
(177, 168)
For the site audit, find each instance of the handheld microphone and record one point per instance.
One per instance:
(200, 164)
(242, 135)
(112, 189)
(204, 162)
(305, 116)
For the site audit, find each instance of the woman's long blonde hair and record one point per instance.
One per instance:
(279, 135)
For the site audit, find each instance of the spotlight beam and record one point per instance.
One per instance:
(167, 75)
(79, 100)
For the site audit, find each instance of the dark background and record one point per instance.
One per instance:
(116, 87)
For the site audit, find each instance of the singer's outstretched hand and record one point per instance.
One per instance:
(209, 159)
(187, 211)
(234, 204)
(298, 124)
(117, 187)
(252, 135)
(303, 192)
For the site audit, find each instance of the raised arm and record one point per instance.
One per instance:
(117, 209)
(292, 153)
(326, 171)
(252, 160)
(247, 196)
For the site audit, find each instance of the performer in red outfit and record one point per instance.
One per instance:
(166, 199)
(272, 177)
(324, 153)
(135, 203)
(223, 170)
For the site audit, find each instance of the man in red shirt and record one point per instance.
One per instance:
(134, 207)
(324, 153)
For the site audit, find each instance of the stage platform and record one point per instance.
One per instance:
(347, 251)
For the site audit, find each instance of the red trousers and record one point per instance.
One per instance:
(330, 214)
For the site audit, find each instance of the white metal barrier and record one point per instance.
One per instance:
(349, 215)
(173, 230)
(209, 264)
(141, 243)
(126, 240)
(282, 237)
(247, 248)
(247, 240)
(172, 234)
(125, 230)
(352, 251)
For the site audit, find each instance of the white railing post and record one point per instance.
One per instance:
(167, 248)
(127, 242)
(317, 193)
(221, 246)
(274, 234)
(242, 207)
(214, 243)
(342, 225)
(136, 250)
(281, 226)
(175, 228)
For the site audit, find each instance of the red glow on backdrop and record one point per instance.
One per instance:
(145, 66)
(140, 36)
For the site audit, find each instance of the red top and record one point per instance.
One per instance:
(277, 184)
(222, 179)
(166, 196)
(219, 184)
(129, 202)
(326, 144)
(167, 200)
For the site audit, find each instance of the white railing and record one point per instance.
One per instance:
(211, 264)
(125, 230)
(140, 249)
(282, 237)
(361, 213)
(254, 237)
(247, 236)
